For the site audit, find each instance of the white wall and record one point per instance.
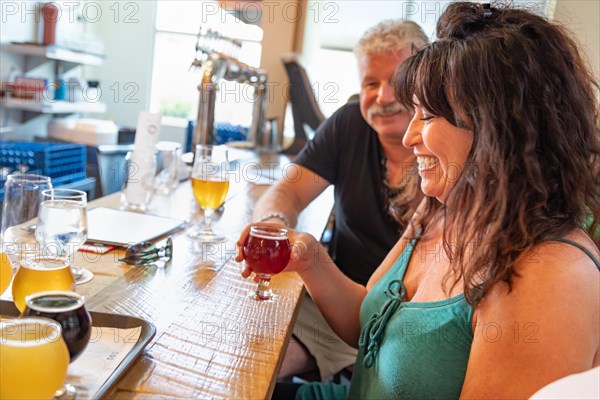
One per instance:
(279, 28)
(582, 17)
(125, 78)
(331, 29)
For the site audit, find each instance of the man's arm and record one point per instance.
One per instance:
(289, 197)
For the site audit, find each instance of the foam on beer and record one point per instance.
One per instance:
(29, 332)
(267, 236)
(44, 264)
(77, 301)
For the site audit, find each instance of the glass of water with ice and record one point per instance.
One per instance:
(62, 224)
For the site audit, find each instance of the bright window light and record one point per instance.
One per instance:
(174, 86)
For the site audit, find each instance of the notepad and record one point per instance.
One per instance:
(124, 228)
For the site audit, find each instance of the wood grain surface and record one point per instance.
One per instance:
(212, 340)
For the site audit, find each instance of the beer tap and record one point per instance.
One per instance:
(216, 59)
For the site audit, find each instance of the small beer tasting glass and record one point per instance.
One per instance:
(267, 251)
(41, 273)
(5, 270)
(34, 358)
(148, 253)
(68, 309)
(210, 184)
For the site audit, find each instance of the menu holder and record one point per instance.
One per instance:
(111, 321)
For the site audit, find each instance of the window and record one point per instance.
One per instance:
(174, 86)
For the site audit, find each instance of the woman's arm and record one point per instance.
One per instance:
(546, 327)
(338, 297)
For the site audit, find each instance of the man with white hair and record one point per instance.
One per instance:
(358, 150)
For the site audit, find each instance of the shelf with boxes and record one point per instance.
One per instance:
(52, 106)
(54, 53)
(45, 95)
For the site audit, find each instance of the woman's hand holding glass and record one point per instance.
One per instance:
(259, 238)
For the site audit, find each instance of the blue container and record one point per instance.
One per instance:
(63, 163)
(189, 136)
(226, 132)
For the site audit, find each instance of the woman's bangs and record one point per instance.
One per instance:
(430, 82)
(423, 75)
(404, 79)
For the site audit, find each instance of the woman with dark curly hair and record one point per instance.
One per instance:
(493, 291)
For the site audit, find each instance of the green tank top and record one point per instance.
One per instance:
(406, 350)
(410, 349)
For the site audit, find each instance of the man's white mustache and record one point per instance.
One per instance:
(388, 109)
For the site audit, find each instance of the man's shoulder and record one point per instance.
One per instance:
(347, 119)
(349, 111)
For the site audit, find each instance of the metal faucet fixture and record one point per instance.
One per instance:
(216, 57)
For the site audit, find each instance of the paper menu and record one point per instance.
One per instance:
(146, 134)
(142, 162)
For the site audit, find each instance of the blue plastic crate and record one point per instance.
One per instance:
(226, 132)
(63, 163)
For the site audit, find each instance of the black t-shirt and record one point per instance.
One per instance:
(347, 153)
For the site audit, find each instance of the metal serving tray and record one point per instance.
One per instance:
(100, 319)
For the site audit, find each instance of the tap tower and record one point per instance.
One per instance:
(216, 57)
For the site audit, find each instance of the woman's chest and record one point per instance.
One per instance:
(429, 275)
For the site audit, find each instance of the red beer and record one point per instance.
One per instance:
(265, 252)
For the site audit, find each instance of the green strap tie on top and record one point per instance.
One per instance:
(372, 334)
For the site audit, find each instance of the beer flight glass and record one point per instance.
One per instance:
(22, 198)
(34, 358)
(267, 251)
(5, 272)
(39, 274)
(210, 185)
(68, 309)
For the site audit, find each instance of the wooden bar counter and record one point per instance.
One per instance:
(212, 340)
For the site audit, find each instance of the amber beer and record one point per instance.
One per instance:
(68, 309)
(34, 358)
(5, 272)
(39, 274)
(210, 193)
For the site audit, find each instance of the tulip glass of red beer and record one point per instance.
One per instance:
(267, 251)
